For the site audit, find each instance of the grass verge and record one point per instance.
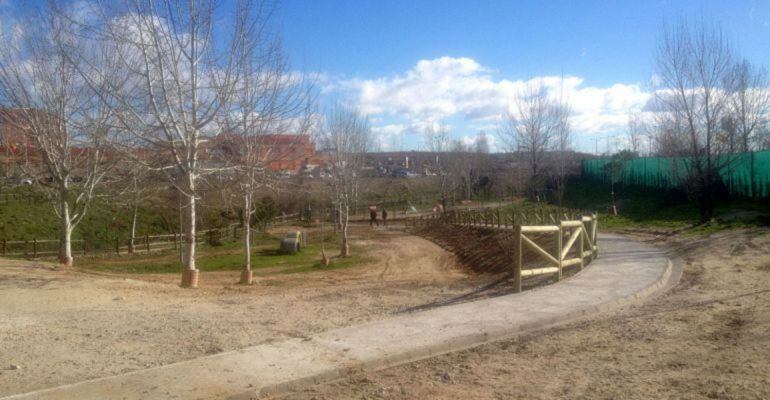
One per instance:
(265, 260)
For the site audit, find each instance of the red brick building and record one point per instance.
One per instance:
(287, 153)
(14, 131)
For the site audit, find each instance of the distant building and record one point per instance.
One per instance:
(14, 130)
(282, 153)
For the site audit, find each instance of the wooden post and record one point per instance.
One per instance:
(117, 244)
(558, 249)
(581, 248)
(85, 246)
(34, 248)
(594, 229)
(517, 259)
(4, 244)
(147, 241)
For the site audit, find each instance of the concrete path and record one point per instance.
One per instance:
(625, 272)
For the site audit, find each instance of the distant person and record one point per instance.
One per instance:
(384, 217)
(373, 217)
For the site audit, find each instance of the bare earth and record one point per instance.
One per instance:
(62, 327)
(709, 338)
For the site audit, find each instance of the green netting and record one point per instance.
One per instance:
(747, 175)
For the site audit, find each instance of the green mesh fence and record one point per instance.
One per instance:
(747, 175)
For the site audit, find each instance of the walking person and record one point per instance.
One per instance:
(373, 217)
(384, 217)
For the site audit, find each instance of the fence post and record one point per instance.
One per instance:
(517, 259)
(594, 228)
(147, 241)
(34, 248)
(558, 248)
(582, 240)
(4, 244)
(117, 244)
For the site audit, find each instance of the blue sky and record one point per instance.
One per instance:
(473, 48)
(605, 42)
(411, 64)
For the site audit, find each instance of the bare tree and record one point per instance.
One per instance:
(130, 185)
(531, 128)
(185, 72)
(563, 155)
(763, 139)
(269, 101)
(636, 132)
(345, 135)
(694, 65)
(749, 102)
(67, 122)
(461, 167)
(436, 137)
(481, 143)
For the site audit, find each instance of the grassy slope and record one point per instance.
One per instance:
(650, 208)
(27, 220)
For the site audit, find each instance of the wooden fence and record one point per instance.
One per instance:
(574, 236)
(35, 248)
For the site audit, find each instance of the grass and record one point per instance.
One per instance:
(35, 218)
(265, 260)
(659, 209)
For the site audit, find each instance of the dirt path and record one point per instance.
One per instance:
(66, 326)
(709, 338)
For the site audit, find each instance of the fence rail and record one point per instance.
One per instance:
(574, 236)
(35, 248)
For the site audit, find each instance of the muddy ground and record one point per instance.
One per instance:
(709, 338)
(61, 327)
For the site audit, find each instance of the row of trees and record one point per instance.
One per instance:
(131, 89)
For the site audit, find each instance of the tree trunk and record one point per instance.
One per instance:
(132, 239)
(705, 198)
(345, 249)
(189, 251)
(189, 273)
(246, 275)
(65, 232)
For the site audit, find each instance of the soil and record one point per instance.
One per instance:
(707, 338)
(64, 326)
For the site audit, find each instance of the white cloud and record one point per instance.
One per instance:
(446, 87)
(387, 137)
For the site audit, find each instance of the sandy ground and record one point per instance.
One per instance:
(61, 327)
(707, 339)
